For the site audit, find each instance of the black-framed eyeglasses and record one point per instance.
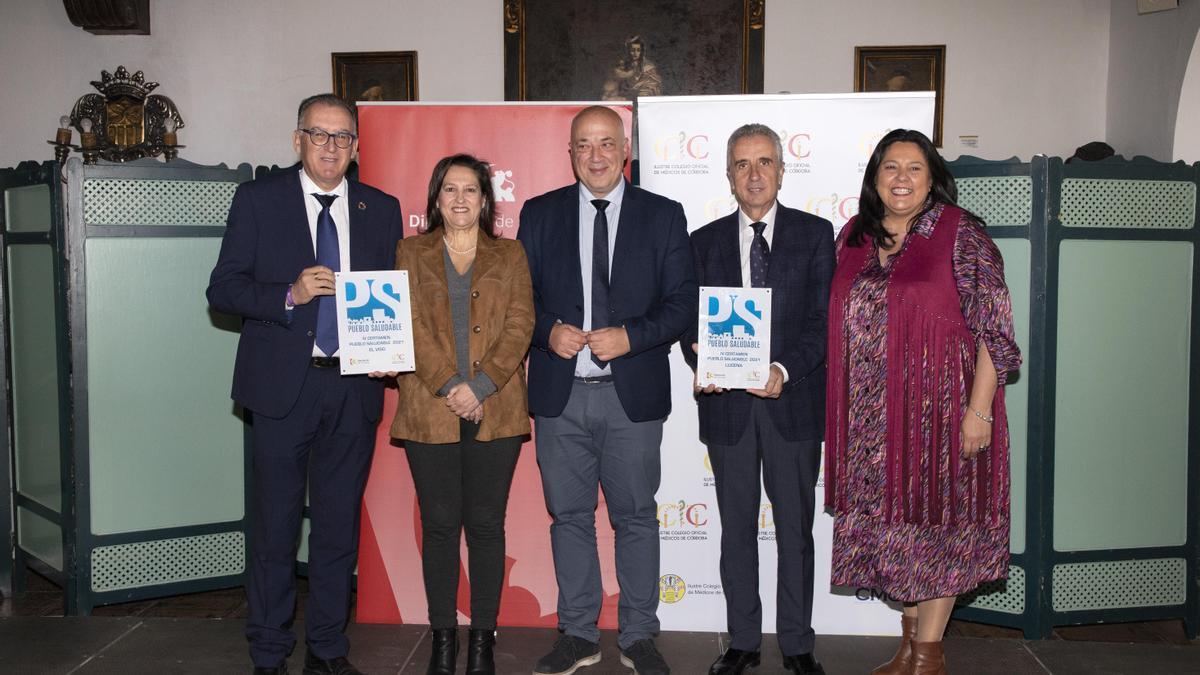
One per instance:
(319, 137)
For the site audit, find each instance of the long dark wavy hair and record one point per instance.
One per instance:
(869, 224)
(483, 174)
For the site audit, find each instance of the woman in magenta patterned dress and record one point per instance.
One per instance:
(916, 450)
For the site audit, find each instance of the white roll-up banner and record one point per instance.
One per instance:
(827, 140)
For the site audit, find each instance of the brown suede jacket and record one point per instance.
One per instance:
(501, 327)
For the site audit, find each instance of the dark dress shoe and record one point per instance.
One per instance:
(480, 660)
(444, 653)
(803, 664)
(734, 662)
(338, 665)
(569, 654)
(280, 669)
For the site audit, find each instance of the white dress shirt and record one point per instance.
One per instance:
(745, 238)
(584, 365)
(340, 211)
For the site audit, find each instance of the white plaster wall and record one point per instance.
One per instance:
(1187, 127)
(1027, 76)
(1148, 55)
(236, 68)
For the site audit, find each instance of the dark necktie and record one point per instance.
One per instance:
(760, 255)
(599, 270)
(329, 256)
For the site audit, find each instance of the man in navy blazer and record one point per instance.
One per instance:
(775, 431)
(287, 235)
(613, 288)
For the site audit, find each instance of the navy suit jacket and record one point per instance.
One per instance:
(267, 243)
(652, 293)
(799, 275)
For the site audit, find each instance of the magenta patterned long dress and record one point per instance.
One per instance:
(962, 544)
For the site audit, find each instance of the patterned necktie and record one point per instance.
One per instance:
(599, 270)
(329, 256)
(760, 255)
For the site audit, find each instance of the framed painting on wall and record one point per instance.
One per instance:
(375, 76)
(920, 68)
(559, 51)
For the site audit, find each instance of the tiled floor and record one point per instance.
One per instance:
(202, 633)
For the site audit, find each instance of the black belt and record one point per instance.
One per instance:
(325, 362)
(599, 379)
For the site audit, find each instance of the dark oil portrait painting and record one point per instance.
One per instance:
(375, 76)
(617, 50)
(909, 68)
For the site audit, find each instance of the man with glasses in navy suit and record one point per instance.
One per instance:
(287, 235)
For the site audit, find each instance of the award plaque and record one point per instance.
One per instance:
(734, 337)
(374, 315)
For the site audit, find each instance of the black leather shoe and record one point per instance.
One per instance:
(802, 664)
(734, 662)
(338, 665)
(444, 653)
(280, 669)
(480, 660)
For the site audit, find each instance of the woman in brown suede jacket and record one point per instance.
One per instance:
(462, 413)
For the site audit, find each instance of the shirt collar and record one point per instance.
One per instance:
(925, 224)
(613, 198)
(768, 217)
(310, 187)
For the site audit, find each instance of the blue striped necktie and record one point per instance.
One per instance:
(328, 254)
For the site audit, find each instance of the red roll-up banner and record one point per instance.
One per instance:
(526, 145)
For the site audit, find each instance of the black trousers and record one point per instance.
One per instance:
(325, 444)
(463, 485)
(789, 473)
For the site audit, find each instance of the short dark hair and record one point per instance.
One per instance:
(483, 173)
(869, 223)
(329, 100)
(747, 130)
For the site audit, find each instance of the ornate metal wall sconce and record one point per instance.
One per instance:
(62, 139)
(121, 123)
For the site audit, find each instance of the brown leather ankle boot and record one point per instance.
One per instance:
(928, 658)
(901, 663)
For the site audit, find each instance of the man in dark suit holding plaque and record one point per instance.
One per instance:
(775, 431)
(287, 235)
(613, 288)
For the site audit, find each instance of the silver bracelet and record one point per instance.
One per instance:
(986, 418)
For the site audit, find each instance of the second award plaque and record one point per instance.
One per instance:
(734, 337)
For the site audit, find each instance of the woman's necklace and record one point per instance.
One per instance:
(454, 250)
